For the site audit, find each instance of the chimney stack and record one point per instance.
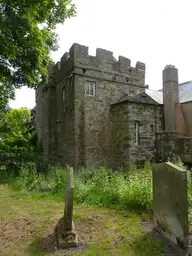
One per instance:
(170, 96)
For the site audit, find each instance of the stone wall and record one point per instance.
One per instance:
(76, 129)
(65, 133)
(120, 137)
(172, 146)
(113, 81)
(150, 121)
(45, 117)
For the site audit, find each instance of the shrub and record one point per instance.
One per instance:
(103, 187)
(138, 193)
(92, 186)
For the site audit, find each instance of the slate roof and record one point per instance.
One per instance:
(185, 94)
(139, 97)
(157, 96)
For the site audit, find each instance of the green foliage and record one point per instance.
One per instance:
(100, 187)
(54, 181)
(27, 35)
(139, 191)
(97, 187)
(14, 136)
(6, 93)
(114, 188)
(17, 139)
(105, 231)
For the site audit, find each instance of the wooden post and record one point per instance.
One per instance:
(68, 212)
(66, 235)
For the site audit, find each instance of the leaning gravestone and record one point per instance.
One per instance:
(170, 204)
(66, 235)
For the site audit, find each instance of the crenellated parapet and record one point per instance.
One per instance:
(78, 58)
(79, 52)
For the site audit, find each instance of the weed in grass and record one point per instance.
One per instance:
(100, 187)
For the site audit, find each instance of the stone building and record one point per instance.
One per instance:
(96, 110)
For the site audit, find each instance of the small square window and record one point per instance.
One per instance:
(90, 88)
(140, 164)
(131, 93)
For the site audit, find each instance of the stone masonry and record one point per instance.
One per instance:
(96, 111)
(72, 125)
(148, 115)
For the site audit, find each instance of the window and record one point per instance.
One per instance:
(131, 93)
(70, 80)
(90, 88)
(152, 128)
(140, 164)
(136, 133)
(58, 126)
(63, 94)
(127, 79)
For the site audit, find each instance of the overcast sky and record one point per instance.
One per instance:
(156, 32)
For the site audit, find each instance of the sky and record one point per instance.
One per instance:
(156, 32)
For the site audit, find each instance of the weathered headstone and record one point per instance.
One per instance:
(170, 203)
(66, 235)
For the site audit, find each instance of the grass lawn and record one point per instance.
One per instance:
(27, 228)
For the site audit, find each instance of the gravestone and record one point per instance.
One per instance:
(66, 235)
(170, 204)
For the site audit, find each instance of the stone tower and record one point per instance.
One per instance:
(73, 109)
(170, 96)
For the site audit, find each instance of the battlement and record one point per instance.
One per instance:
(104, 55)
(78, 55)
(169, 66)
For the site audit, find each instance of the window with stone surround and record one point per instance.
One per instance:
(136, 132)
(152, 128)
(131, 93)
(63, 94)
(58, 126)
(140, 164)
(90, 88)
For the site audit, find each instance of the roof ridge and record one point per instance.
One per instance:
(190, 81)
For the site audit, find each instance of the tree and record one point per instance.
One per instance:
(27, 36)
(15, 132)
(17, 138)
(6, 93)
